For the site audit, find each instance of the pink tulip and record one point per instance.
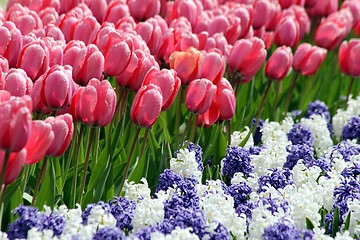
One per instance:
(146, 106)
(225, 100)
(289, 3)
(15, 164)
(187, 64)
(94, 104)
(34, 59)
(266, 13)
(321, 8)
(349, 52)
(85, 30)
(66, 6)
(15, 124)
(287, 32)
(354, 7)
(4, 65)
(210, 117)
(116, 10)
(63, 129)
(301, 17)
(18, 83)
(36, 5)
(142, 10)
(72, 50)
(55, 51)
(40, 140)
(279, 63)
(25, 19)
(11, 42)
(126, 24)
(267, 37)
(200, 95)
(334, 29)
(213, 66)
(247, 56)
(88, 64)
(168, 82)
(114, 44)
(48, 16)
(98, 8)
(151, 33)
(189, 9)
(56, 88)
(4, 95)
(307, 59)
(245, 13)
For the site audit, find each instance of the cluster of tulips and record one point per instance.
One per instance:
(65, 65)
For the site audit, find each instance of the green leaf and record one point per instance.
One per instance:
(347, 222)
(335, 222)
(309, 224)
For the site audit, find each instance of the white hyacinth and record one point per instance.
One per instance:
(185, 164)
(137, 191)
(238, 137)
(148, 212)
(176, 234)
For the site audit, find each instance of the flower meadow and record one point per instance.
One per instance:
(184, 119)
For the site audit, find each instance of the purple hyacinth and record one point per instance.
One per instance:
(278, 178)
(322, 163)
(345, 149)
(258, 133)
(349, 188)
(352, 171)
(168, 179)
(240, 192)
(144, 233)
(285, 230)
(29, 217)
(237, 159)
(273, 205)
(318, 108)
(220, 233)
(87, 211)
(299, 134)
(54, 222)
(123, 210)
(245, 208)
(352, 129)
(255, 150)
(109, 233)
(296, 152)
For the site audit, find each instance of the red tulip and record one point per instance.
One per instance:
(279, 63)
(56, 88)
(146, 106)
(63, 128)
(17, 82)
(88, 64)
(209, 117)
(334, 29)
(15, 164)
(247, 56)
(187, 64)
(213, 66)
(349, 52)
(287, 32)
(34, 59)
(40, 140)
(11, 42)
(307, 59)
(15, 124)
(200, 95)
(225, 99)
(94, 104)
(289, 3)
(168, 82)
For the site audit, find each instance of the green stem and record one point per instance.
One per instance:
(229, 132)
(2, 177)
(86, 165)
(76, 164)
(193, 129)
(178, 113)
(261, 105)
(2, 197)
(40, 177)
(128, 161)
(292, 88)
(144, 142)
(349, 89)
(186, 128)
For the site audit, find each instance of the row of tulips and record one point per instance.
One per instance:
(78, 74)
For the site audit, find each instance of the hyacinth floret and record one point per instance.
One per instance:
(297, 152)
(349, 188)
(258, 132)
(109, 233)
(240, 192)
(86, 213)
(346, 149)
(299, 134)
(318, 108)
(220, 232)
(123, 210)
(352, 129)
(237, 159)
(285, 230)
(277, 178)
(168, 179)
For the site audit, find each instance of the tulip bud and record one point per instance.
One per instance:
(63, 128)
(151, 33)
(321, 8)
(18, 83)
(307, 59)
(187, 64)
(279, 63)
(116, 11)
(11, 42)
(15, 124)
(15, 164)
(349, 52)
(142, 10)
(40, 140)
(209, 117)
(288, 3)
(98, 8)
(4, 95)
(146, 106)
(72, 50)
(48, 16)
(88, 64)
(188, 9)
(287, 32)
(247, 56)
(25, 19)
(213, 66)
(85, 30)
(168, 82)
(301, 17)
(200, 95)
(94, 104)
(225, 99)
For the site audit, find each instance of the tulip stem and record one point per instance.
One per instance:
(178, 113)
(349, 89)
(292, 88)
(261, 105)
(3, 172)
(187, 128)
(228, 125)
(76, 164)
(40, 177)
(86, 165)
(144, 142)
(128, 161)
